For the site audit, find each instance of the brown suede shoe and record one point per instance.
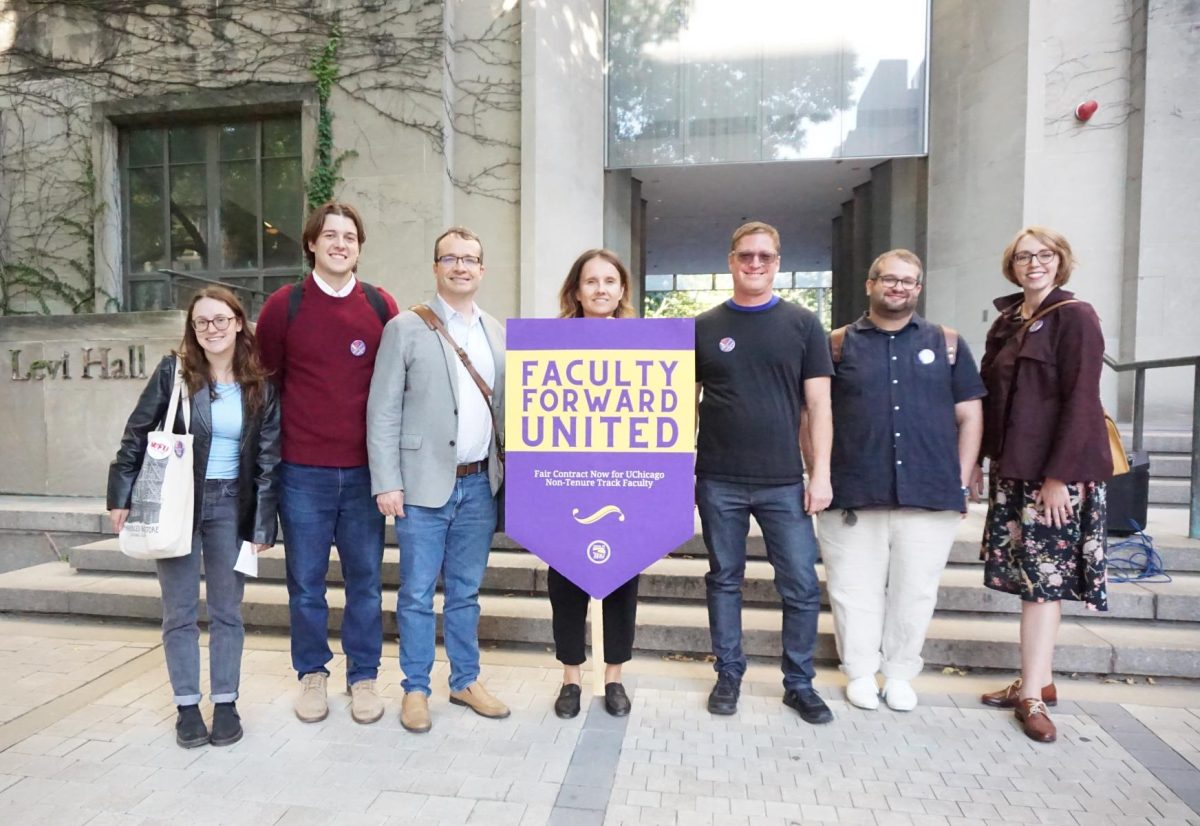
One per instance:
(477, 698)
(1035, 721)
(414, 712)
(1007, 696)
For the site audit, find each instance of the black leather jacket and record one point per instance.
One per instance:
(258, 473)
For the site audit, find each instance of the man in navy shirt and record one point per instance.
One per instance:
(907, 426)
(759, 362)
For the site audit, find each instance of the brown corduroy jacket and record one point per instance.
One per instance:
(1042, 414)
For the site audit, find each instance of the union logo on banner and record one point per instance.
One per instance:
(599, 431)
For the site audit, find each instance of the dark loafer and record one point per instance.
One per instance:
(809, 705)
(723, 699)
(190, 730)
(227, 725)
(1007, 696)
(567, 704)
(616, 701)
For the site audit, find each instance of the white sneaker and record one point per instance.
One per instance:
(899, 695)
(863, 692)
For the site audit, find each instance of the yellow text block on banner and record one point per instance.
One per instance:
(624, 401)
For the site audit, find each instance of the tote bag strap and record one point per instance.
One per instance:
(178, 391)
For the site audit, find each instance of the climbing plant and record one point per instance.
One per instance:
(325, 177)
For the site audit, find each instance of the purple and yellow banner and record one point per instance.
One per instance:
(599, 432)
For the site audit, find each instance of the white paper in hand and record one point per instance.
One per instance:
(247, 561)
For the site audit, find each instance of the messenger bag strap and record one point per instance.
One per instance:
(837, 342)
(434, 323)
(1046, 311)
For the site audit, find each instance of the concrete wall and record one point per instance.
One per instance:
(63, 421)
(562, 144)
(428, 102)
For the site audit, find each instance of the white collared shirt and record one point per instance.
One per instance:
(474, 416)
(328, 290)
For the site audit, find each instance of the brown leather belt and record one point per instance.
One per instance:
(471, 468)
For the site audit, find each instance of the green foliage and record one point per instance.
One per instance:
(325, 176)
(690, 303)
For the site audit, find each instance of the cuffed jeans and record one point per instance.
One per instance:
(454, 541)
(725, 511)
(318, 506)
(883, 574)
(216, 540)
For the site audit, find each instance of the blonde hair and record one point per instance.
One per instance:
(754, 228)
(1053, 240)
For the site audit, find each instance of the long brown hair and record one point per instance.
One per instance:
(568, 303)
(248, 370)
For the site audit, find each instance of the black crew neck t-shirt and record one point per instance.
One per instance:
(752, 363)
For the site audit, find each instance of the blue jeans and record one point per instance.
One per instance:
(216, 540)
(725, 511)
(454, 541)
(318, 506)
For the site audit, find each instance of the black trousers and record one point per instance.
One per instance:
(570, 602)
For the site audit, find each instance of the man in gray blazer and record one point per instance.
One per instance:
(431, 440)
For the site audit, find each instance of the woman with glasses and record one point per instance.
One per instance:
(235, 429)
(1045, 434)
(597, 286)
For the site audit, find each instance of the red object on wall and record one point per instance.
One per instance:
(1085, 110)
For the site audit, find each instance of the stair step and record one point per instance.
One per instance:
(1159, 441)
(973, 640)
(678, 579)
(1170, 466)
(1170, 491)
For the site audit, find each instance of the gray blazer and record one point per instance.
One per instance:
(412, 419)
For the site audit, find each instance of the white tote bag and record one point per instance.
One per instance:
(161, 506)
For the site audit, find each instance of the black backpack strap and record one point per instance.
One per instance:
(375, 299)
(295, 296)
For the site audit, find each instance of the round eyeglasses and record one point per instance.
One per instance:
(1022, 259)
(220, 322)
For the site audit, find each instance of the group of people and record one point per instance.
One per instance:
(339, 411)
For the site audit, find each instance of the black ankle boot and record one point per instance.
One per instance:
(227, 725)
(190, 730)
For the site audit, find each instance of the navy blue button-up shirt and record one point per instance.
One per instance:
(895, 439)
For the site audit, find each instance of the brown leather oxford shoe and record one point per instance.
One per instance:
(1007, 696)
(1035, 721)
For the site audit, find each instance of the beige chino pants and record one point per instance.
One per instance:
(882, 575)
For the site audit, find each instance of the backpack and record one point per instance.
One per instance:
(296, 295)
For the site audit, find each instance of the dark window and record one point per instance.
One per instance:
(217, 201)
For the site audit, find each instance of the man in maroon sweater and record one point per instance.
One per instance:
(320, 339)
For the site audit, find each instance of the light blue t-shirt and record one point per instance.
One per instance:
(226, 432)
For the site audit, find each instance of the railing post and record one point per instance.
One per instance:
(1194, 491)
(1139, 408)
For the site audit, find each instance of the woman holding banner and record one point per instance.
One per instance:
(596, 287)
(235, 438)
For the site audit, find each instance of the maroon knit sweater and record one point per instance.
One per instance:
(322, 362)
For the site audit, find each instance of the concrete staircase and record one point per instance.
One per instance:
(1150, 629)
(1170, 464)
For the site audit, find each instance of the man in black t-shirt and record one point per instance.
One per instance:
(760, 361)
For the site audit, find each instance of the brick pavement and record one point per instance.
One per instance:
(87, 737)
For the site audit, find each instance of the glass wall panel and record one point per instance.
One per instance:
(239, 213)
(146, 218)
(714, 81)
(283, 212)
(189, 218)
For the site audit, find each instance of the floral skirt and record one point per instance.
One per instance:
(1039, 562)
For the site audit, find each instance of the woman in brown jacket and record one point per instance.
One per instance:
(1045, 434)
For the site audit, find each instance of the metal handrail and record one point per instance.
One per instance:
(1139, 369)
(193, 277)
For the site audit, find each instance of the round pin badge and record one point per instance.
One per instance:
(598, 551)
(726, 344)
(1037, 325)
(926, 356)
(358, 347)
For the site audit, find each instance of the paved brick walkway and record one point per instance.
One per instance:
(86, 736)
